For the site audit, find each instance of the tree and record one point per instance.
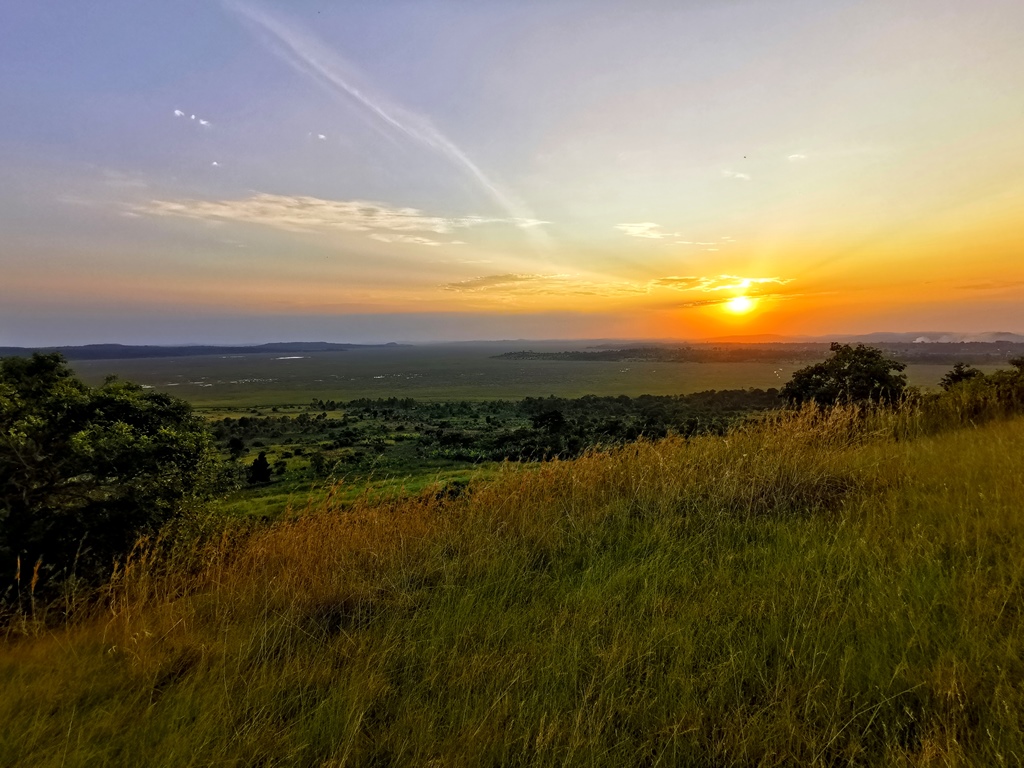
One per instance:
(318, 464)
(551, 421)
(851, 375)
(236, 446)
(84, 471)
(960, 372)
(259, 470)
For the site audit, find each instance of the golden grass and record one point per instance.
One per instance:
(806, 590)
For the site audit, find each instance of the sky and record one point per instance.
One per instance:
(210, 171)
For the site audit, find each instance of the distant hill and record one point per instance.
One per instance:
(130, 352)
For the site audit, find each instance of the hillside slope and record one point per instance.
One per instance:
(806, 592)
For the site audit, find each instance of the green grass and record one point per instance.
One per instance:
(440, 373)
(293, 497)
(805, 592)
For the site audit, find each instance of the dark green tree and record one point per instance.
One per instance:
(259, 470)
(551, 421)
(318, 464)
(851, 375)
(960, 372)
(84, 471)
(236, 446)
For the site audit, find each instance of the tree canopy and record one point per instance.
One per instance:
(84, 471)
(852, 374)
(960, 372)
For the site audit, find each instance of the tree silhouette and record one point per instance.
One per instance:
(851, 375)
(960, 372)
(259, 470)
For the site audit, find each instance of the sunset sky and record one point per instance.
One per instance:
(203, 171)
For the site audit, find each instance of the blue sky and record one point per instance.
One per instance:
(238, 171)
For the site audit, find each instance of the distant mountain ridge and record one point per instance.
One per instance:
(130, 352)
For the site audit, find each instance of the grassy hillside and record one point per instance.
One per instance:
(808, 591)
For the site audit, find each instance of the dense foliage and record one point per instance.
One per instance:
(400, 434)
(84, 471)
(853, 374)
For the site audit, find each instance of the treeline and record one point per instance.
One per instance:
(566, 427)
(937, 353)
(759, 353)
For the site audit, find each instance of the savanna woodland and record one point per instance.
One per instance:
(826, 574)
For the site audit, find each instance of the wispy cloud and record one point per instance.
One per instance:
(513, 285)
(703, 302)
(312, 59)
(736, 175)
(678, 283)
(723, 288)
(178, 113)
(407, 239)
(773, 295)
(708, 245)
(312, 214)
(489, 282)
(796, 157)
(717, 283)
(645, 229)
(651, 231)
(735, 282)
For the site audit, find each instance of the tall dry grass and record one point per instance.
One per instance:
(811, 589)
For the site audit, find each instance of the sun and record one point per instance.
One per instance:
(740, 305)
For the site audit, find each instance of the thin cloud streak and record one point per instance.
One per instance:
(301, 213)
(644, 229)
(510, 286)
(719, 283)
(311, 58)
(727, 299)
(407, 239)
